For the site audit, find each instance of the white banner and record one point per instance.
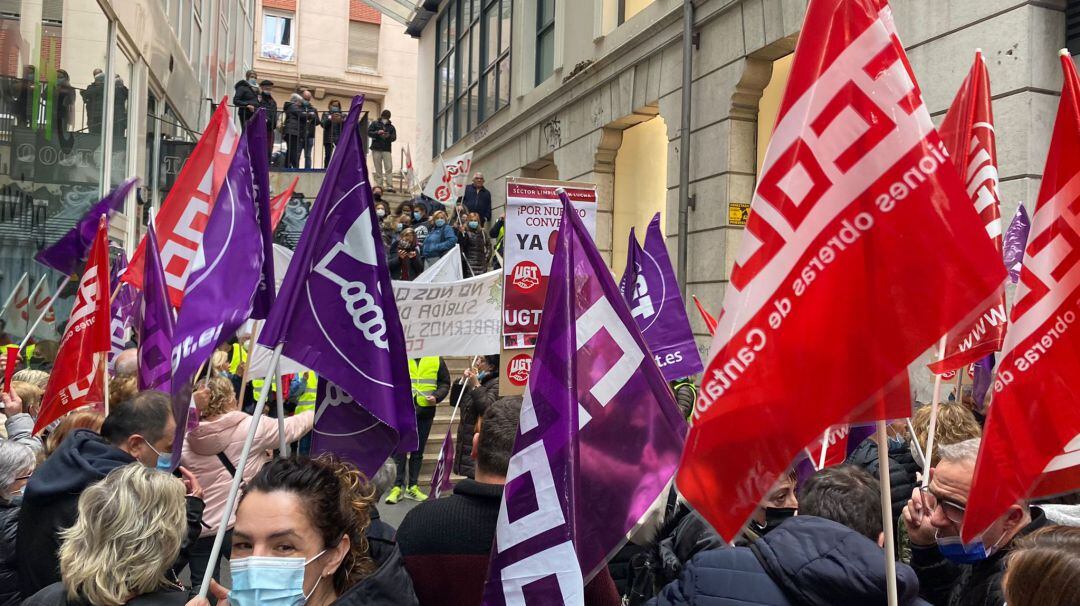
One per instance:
(446, 269)
(451, 318)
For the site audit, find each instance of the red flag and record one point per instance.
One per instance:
(858, 214)
(835, 449)
(186, 209)
(968, 134)
(1034, 423)
(279, 202)
(710, 322)
(76, 379)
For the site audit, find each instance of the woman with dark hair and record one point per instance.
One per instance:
(300, 537)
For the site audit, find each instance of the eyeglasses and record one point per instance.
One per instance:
(953, 512)
(26, 477)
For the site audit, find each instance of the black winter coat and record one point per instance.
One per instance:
(948, 584)
(267, 103)
(475, 251)
(56, 595)
(404, 269)
(331, 129)
(806, 561)
(389, 585)
(300, 120)
(473, 404)
(51, 504)
(9, 575)
(244, 94)
(382, 135)
(902, 468)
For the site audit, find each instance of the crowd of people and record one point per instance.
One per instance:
(89, 513)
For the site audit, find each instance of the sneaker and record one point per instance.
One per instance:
(414, 493)
(395, 495)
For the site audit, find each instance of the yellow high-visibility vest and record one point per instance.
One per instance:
(425, 377)
(239, 356)
(306, 401)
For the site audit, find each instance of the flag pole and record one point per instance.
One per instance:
(283, 445)
(824, 449)
(886, 512)
(11, 297)
(934, 404)
(461, 394)
(250, 340)
(30, 297)
(105, 379)
(234, 487)
(48, 306)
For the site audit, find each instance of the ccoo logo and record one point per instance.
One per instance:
(526, 276)
(518, 369)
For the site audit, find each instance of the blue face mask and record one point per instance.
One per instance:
(954, 550)
(416, 215)
(440, 222)
(399, 227)
(473, 224)
(164, 459)
(259, 580)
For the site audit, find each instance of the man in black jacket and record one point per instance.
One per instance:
(953, 574)
(246, 97)
(267, 102)
(383, 134)
(477, 198)
(137, 430)
(481, 386)
(828, 555)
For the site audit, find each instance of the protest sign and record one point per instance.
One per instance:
(451, 318)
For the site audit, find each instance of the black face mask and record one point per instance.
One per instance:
(774, 516)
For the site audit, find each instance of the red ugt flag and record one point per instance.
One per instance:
(1031, 445)
(857, 215)
(76, 379)
(968, 134)
(186, 210)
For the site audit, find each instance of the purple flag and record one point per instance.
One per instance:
(1014, 243)
(599, 437)
(335, 314)
(68, 254)
(650, 289)
(260, 176)
(440, 476)
(219, 292)
(122, 308)
(156, 324)
(984, 377)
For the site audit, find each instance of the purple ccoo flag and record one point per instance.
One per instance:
(221, 288)
(68, 254)
(156, 322)
(1014, 243)
(122, 308)
(648, 284)
(598, 425)
(440, 476)
(335, 314)
(260, 176)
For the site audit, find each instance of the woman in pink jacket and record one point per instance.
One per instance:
(211, 449)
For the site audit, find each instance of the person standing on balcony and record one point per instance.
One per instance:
(246, 97)
(267, 102)
(383, 134)
(332, 120)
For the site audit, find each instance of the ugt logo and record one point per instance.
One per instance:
(526, 276)
(518, 369)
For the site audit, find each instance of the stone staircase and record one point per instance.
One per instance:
(456, 365)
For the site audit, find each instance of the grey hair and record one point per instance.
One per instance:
(15, 459)
(296, 98)
(960, 452)
(126, 363)
(383, 479)
(35, 377)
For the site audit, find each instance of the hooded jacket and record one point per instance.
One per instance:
(902, 468)
(806, 561)
(51, 501)
(9, 576)
(226, 435)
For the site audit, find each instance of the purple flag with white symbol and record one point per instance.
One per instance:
(68, 254)
(122, 308)
(598, 425)
(335, 314)
(221, 287)
(1014, 243)
(260, 176)
(440, 476)
(156, 321)
(650, 289)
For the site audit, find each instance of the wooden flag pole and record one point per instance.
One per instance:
(934, 404)
(105, 379)
(234, 488)
(887, 512)
(824, 449)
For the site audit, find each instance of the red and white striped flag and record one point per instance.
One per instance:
(1031, 445)
(858, 214)
(968, 134)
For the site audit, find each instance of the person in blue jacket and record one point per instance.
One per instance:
(440, 239)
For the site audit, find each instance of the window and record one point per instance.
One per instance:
(472, 66)
(277, 37)
(364, 45)
(545, 39)
(629, 8)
